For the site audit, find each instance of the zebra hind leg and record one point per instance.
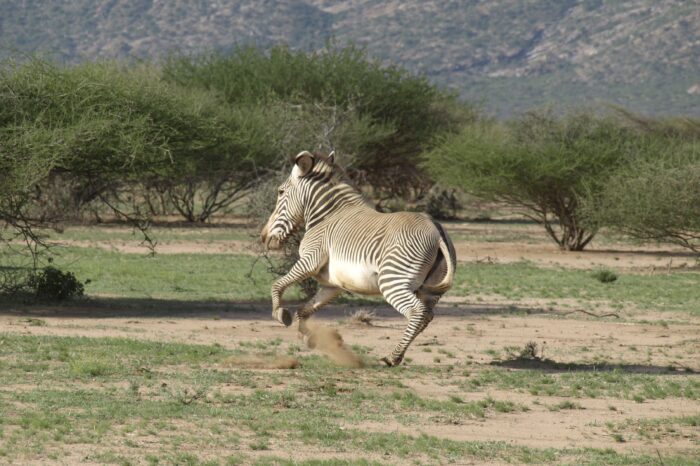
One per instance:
(418, 320)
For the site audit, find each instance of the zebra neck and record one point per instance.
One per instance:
(329, 199)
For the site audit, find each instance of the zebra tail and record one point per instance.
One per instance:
(450, 256)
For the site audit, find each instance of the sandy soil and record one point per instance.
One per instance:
(457, 335)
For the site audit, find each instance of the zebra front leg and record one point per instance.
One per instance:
(324, 295)
(301, 270)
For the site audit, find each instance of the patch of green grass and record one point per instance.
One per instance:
(35, 359)
(160, 233)
(474, 409)
(660, 428)
(165, 389)
(110, 457)
(260, 444)
(91, 368)
(566, 404)
(185, 277)
(591, 384)
(447, 353)
(676, 291)
(277, 461)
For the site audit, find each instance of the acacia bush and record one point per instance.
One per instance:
(107, 127)
(104, 132)
(400, 114)
(655, 199)
(541, 162)
(209, 180)
(103, 125)
(657, 195)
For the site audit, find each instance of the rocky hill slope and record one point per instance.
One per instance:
(507, 54)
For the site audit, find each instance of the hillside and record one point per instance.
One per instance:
(510, 55)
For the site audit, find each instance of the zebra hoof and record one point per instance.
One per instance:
(389, 362)
(282, 316)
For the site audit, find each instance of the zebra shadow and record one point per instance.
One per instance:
(551, 366)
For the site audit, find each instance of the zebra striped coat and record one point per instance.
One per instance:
(349, 246)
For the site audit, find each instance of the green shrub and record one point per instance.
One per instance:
(399, 114)
(605, 276)
(90, 368)
(52, 284)
(103, 129)
(655, 199)
(540, 162)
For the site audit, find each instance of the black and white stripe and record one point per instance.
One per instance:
(408, 255)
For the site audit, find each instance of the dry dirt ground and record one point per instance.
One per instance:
(467, 335)
(464, 333)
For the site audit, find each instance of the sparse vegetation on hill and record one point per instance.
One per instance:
(642, 54)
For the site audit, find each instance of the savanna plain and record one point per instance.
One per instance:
(535, 356)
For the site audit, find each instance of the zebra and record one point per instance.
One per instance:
(348, 245)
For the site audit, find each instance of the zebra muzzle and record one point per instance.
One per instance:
(282, 316)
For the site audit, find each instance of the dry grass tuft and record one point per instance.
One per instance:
(363, 317)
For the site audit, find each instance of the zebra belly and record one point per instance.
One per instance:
(358, 278)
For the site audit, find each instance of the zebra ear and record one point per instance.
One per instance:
(331, 157)
(305, 162)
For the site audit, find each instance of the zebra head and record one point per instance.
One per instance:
(293, 197)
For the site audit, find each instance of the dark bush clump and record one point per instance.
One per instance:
(52, 284)
(605, 276)
(443, 205)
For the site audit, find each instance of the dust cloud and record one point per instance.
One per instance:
(329, 342)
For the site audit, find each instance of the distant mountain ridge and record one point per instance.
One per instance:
(512, 55)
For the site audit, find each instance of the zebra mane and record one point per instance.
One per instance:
(334, 174)
(329, 166)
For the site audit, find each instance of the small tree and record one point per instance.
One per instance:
(539, 162)
(400, 114)
(656, 199)
(657, 195)
(242, 146)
